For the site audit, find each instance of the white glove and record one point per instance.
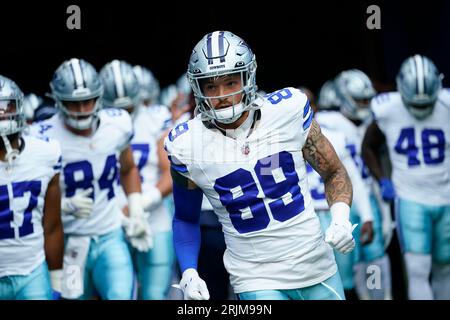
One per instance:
(339, 233)
(137, 221)
(151, 199)
(142, 242)
(193, 287)
(80, 205)
(136, 226)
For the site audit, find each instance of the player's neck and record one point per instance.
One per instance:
(234, 125)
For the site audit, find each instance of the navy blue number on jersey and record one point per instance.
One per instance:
(433, 146)
(19, 190)
(277, 96)
(178, 131)
(279, 181)
(319, 192)
(74, 170)
(358, 160)
(141, 151)
(113, 112)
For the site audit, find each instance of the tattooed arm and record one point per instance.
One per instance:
(320, 154)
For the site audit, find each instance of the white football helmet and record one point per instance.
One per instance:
(12, 115)
(419, 83)
(354, 90)
(218, 54)
(77, 80)
(121, 86)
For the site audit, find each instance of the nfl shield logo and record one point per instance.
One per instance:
(245, 149)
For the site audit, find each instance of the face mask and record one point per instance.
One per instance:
(8, 126)
(11, 154)
(80, 124)
(363, 113)
(421, 113)
(228, 115)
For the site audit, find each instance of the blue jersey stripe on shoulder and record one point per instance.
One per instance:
(306, 108)
(177, 167)
(180, 168)
(307, 123)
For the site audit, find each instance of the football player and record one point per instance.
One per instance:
(31, 233)
(363, 213)
(354, 90)
(414, 123)
(154, 267)
(247, 154)
(149, 95)
(96, 149)
(148, 86)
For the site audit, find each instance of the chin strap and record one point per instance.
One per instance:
(11, 154)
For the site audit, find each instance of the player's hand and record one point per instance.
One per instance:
(387, 189)
(151, 199)
(339, 233)
(143, 241)
(339, 236)
(80, 205)
(193, 287)
(366, 236)
(136, 226)
(56, 283)
(137, 222)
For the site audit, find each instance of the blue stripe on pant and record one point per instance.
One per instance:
(35, 286)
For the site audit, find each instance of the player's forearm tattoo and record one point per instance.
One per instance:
(320, 154)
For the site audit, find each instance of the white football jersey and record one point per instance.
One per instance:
(149, 127)
(258, 188)
(315, 181)
(22, 196)
(419, 150)
(161, 115)
(91, 162)
(354, 135)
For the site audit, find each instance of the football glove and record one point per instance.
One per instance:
(387, 189)
(339, 233)
(80, 205)
(136, 226)
(193, 287)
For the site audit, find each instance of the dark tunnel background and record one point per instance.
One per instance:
(296, 43)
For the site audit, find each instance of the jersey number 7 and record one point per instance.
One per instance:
(7, 215)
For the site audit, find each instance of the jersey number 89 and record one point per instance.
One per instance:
(279, 181)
